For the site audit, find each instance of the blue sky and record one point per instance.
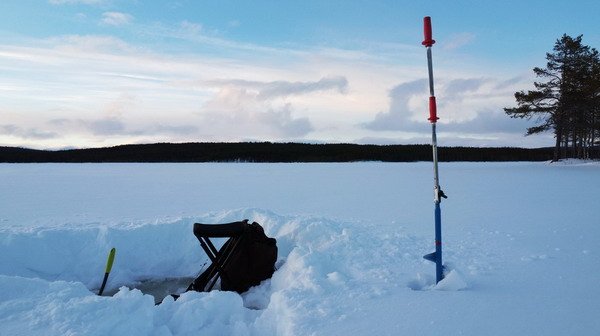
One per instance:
(86, 73)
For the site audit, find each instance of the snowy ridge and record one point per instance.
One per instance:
(78, 254)
(323, 266)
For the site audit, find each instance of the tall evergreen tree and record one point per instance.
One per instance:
(567, 101)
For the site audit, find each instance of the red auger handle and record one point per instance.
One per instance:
(432, 110)
(428, 41)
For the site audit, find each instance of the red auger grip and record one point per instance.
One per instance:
(432, 110)
(428, 41)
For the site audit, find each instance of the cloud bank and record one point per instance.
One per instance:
(467, 107)
(260, 109)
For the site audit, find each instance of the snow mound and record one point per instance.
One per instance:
(39, 307)
(451, 282)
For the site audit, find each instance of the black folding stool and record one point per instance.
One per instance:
(219, 257)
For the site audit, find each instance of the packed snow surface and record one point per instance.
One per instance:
(520, 245)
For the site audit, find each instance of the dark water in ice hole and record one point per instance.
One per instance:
(159, 288)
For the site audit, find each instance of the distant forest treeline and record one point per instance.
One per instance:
(271, 152)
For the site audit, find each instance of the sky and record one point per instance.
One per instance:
(92, 73)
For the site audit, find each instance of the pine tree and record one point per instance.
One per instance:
(567, 101)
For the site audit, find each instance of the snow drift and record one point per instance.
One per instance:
(49, 275)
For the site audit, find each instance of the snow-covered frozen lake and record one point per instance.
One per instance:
(521, 239)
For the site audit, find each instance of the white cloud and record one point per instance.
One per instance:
(190, 28)
(89, 44)
(278, 89)
(234, 24)
(70, 2)
(81, 17)
(26, 133)
(116, 18)
(459, 40)
(260, 110)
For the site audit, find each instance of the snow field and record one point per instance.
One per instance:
(520, 240)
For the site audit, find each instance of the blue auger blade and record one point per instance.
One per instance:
(431, 257)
